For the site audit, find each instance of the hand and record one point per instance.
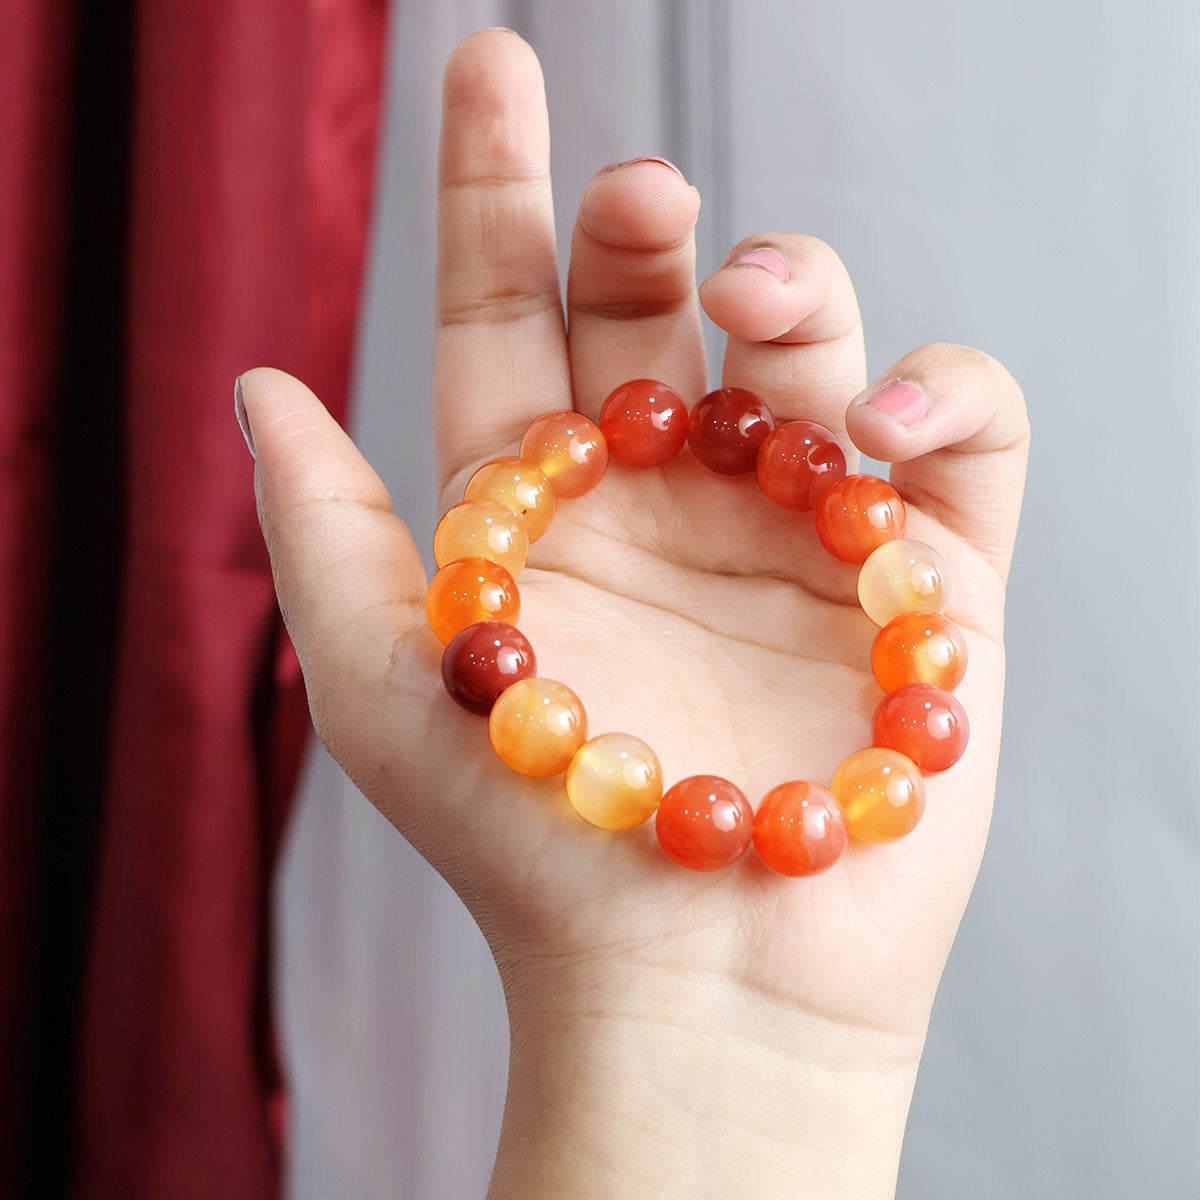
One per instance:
(671, 1031)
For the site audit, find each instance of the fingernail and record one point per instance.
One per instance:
(239, 411)
(666, 162)
(900, 399)
(768, 259)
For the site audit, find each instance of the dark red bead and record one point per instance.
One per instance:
(797, 463)
(483, 659)
(924, 723)
(726, 429)
(644, 422)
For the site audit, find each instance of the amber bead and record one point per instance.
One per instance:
(856, 515)
(924, 723)
(644, 423)
(479, 662)
(881, 793)
(900, 577)
(614, 781)
(726, 429)
(704, 823)
(520, 487)
(919, 647)
(470, 590)
(799, 829)
(482, 529)
(797, 462)
(568, 449)
(536, 726)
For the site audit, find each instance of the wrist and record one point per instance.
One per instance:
(643, 1082)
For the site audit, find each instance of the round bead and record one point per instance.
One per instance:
(568, 449)
(479, 662)
(726, 429)
(856, 515)
(902, 577)
(881, 794)
(644, 422)
(483, 529)
(614, 781)
(924, 723)
(797, 462)
(536, 726)
(704, 823)
(799, 829)
(919, 648)
(470, 590)
(520, 487)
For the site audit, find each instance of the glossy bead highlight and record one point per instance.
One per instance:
(614, 781)
(479, 662)
(924, 723)
(726, 429)
(901, 577)
(482, 529)
(799, 829)
(919, 648)
(536, 726)
(881, 794)
(858, 514)
(704, 823)
(644, 423)
(520, 487)
(797, 462)
(568, 449)
(470, 590)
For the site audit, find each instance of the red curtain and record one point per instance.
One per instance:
(251, 141)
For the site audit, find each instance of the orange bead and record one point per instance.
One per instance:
(536, 726)
(919, 647)
(614, 781)
(483, 529)
(520, 487)
(797, 462)
(881, 794)
(470, 590)
(799, 829)
(568, 449)
(856, 515)
(924, 723)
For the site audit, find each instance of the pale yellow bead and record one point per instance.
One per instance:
(482, 529)
(903, 576)
(614, 781)
(520, 487)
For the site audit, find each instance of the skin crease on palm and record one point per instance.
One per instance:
(681, 607)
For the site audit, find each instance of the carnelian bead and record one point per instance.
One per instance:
(644, 423)
(536, 726)
(614, 781)
(856, 515)
(903, 576)
(799, 829)
(479, 662)
(483, 529)
(726, 429)
(520, 487)
(924, 723)
(470, 590)
(568, 449)
(881, 794)
(797, 462)
(704, 823)
(919, 647)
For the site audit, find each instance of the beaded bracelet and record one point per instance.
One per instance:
(538, 726)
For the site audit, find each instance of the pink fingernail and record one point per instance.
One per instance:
(239, 411)
(666, 162)
(902, 400)
(768, 259)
